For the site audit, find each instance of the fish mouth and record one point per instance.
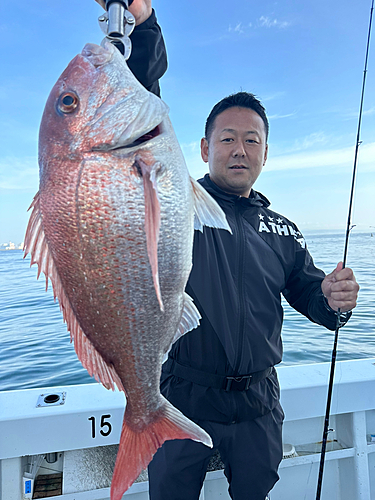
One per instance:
(143, 139)
(147, 125)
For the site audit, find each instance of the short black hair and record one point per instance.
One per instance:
(238, 100)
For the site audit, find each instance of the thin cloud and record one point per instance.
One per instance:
(304, 143)
(267, 22)
(239, 28)
(242, 28)
(191, 147)
(341, 158)
(370, 111)
(275, 95)
(19, 173)
(277, 117)
(310, 140)
(354, 114)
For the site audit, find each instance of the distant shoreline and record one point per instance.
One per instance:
(307, 233)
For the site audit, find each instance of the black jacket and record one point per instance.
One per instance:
(148, 59)
(236, 282)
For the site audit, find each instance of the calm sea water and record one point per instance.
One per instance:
(34, 344)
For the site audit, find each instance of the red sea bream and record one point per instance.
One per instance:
(112, 228)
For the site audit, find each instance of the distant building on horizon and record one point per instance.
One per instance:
(11, 246)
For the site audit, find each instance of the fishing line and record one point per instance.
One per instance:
(348, 229)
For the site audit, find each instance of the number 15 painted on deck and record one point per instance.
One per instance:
(103, 424)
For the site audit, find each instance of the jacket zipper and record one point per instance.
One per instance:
(240, 267)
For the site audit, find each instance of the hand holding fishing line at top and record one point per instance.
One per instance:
(141, 9)
(341, 289)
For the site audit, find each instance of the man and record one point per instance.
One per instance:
(222, 375)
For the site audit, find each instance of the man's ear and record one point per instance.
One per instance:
(204, 149)
(265, 155)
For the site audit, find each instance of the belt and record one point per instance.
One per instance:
(226, 383)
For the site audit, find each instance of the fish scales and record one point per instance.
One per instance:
(128, 314)
(112, 228)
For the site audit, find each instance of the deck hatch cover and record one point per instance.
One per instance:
(51, 399)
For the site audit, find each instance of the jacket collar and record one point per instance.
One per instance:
(255, 198)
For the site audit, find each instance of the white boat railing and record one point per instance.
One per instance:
(79, 426)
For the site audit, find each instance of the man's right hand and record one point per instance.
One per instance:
(141, 9)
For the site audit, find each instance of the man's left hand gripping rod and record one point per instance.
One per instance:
(117, 23)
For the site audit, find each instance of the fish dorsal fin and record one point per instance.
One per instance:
(206, 211)
(36, 244)
(189, 320)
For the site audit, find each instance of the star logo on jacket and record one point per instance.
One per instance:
(261, 217)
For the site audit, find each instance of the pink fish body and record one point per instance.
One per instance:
(112, 228)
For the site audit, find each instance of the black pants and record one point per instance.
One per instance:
(251, 452)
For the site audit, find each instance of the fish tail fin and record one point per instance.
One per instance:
(137, 448)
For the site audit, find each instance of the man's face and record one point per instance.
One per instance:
(237, 150)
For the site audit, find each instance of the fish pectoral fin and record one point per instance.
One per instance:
(137, 448)
(206, 211)
(36, 244)
(152, 221)
(189, 320)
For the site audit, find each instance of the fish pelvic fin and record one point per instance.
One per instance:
(206, 211)
(152, 219)
(36, 244)
(190, 317)
(189, 320)
(137, 448)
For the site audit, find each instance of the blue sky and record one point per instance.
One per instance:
(304, 60)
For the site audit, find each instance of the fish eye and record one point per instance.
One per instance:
(68, 102)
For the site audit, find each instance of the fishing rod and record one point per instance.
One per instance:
(348, 229)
